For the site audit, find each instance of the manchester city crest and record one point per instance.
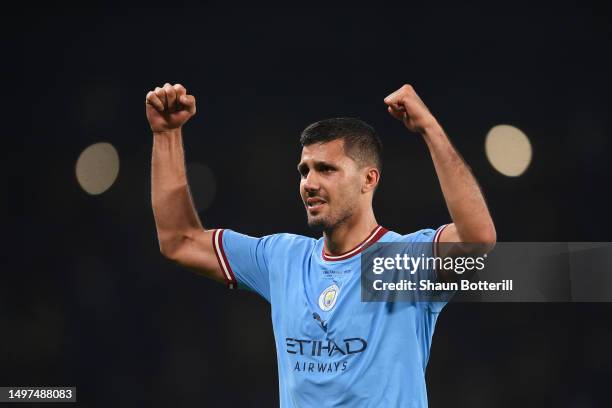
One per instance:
(328, 297)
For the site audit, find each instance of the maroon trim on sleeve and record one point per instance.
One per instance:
(228, 274)
(437, 239)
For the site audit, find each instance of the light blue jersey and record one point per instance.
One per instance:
(334, 350)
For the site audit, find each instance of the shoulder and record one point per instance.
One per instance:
(268, 241)
(422, 235)
(288, 249)
(290, 239)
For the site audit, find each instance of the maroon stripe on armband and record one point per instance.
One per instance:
(228, 274)
(437, 239)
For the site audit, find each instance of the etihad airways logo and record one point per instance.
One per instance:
(324, 348)
(316, 348)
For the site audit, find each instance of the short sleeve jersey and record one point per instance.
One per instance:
(334, 350)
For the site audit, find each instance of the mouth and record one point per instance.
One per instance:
(314, 204)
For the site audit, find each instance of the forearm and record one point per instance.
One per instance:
(464, 199)
(173, 209)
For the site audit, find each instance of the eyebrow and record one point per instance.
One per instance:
(301, 165)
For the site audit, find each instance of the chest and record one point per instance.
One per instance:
(324, 302)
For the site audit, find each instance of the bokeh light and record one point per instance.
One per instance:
(97, 168)
(508, 150)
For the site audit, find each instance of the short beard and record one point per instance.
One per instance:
(326, 224)
(318, 225)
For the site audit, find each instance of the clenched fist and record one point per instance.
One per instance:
(405, 105)
(169, 107)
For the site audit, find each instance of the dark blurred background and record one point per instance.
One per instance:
(86, 298)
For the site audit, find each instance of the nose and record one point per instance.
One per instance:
(311, 183)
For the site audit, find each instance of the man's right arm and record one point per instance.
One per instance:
(182, 238)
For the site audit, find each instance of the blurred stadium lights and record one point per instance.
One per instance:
(508, 150)
(97, 168)
(202, 184)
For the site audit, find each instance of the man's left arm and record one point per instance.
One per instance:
(472, 222)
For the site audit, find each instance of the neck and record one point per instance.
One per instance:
(349, 233)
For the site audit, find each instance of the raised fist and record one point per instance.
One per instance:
(405, 105)
(169, 107)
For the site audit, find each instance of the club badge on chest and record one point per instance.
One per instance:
(327, 298)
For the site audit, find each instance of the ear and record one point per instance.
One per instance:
(371, 179)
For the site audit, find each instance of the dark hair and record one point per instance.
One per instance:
(361, 143)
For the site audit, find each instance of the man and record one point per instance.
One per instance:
(333, 350)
